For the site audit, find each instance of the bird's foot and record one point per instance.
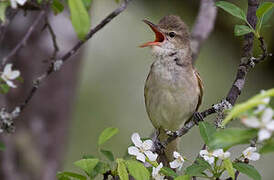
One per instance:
(171, 133)
(197, 117)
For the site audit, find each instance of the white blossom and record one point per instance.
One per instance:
(221, 154)
(265, 124)
(208, 156)
(14, 3)
(178, 161)
(156, 172)
(141, 149)
(8, 75)
(251, 154)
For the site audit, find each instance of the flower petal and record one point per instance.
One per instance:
(254, 156)
(248, 150)
(151, 156)
(14, 75)
(21, 2)
(267, 115)
(135, 138)
(203, 153)
(251, 122)
(7, 68)
(211, 160)
(264, 134)
(176, 155)
(141, 157)
(175, 164)
(132, 150)
(270, 125)
(147, 145)
(10, 84)
(218, 152)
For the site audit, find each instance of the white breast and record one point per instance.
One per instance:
(171, 96)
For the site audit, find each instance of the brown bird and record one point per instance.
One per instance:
(173, 89)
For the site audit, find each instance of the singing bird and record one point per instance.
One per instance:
(173, 89)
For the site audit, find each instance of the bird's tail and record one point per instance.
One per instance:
(170, 148)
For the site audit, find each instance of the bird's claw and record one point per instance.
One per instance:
(197, 117)
(171, 133)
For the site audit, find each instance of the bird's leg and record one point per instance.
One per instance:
(197, 117)
(158, 145)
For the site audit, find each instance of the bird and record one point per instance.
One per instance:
(173, 89)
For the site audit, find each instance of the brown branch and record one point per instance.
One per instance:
(53, 38)
(203, 26)
(56, 64)
(23, 42)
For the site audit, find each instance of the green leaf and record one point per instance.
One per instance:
(4, 88)
(232, 9)
(206, 131)
(2, 146)
(87, 4)
(267, 17)
(122, 171)
(230, 137)
(3, 7)
(168, 172)
(268, 147)
(184, 177)
(70, 176)
(79, 18)
(263, 9)
(197, 168)
(203, 163)
(86, 164)
(229, 167)
(137, 170)
(240, 30)
(106, 135)
(57, 7)
(108, 154)
(100, 168)
(238, 109)
(247, 169)
(39, 1)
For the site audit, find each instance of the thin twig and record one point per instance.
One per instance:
(203, 26)
(23, 42)
(53, 37)
(56, 65)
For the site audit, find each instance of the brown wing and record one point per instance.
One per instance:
(201, 87)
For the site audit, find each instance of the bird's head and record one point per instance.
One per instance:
(171, 35)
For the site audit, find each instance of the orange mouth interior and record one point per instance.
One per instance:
(159, 36)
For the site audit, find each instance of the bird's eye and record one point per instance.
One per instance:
(172, 34)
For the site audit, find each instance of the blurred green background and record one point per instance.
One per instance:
(114, 71)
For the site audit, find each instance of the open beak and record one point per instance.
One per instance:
(159, 36)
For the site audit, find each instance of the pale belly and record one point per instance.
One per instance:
(171, 98)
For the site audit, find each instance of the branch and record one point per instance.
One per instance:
(204, 25)
(53, 37)
(57, 63)
(23, 42)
